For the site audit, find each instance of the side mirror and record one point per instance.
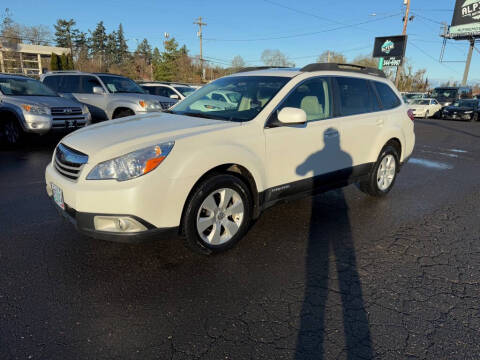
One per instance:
(98, 90)
(292, 116)
(174, 96)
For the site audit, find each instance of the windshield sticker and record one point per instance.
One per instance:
(112, 88)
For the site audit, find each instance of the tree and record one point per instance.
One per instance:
(10, 31)
(238, 62)
(411, 80)
(332, 56)
(122, 47)
(63, 62)
(366, 60)
(54, 62)
(111, 50)
(166, 68)
(144, 50)
(37, 35)
(63, 32)
(98, 44)
(275, 58)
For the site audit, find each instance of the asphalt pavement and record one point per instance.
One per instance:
(339, 276)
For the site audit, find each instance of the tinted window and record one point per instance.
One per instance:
(387, 96)
(70, 84)
(88, 83)
(355, 96)
(312, 96)
(218, 97)
(53, 82)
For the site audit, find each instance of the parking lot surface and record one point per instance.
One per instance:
(338, 276)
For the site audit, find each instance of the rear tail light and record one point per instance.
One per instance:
(410, 114)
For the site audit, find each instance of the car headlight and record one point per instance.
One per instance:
(36, 109)
(468, 112)
(133, 164)
(85, 109)
(150, 105)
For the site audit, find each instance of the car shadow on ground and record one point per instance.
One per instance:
(331, 247)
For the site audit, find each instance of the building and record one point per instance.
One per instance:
(27, 59)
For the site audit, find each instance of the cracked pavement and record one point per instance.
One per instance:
(340, 276)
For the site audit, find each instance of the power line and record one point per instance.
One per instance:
(307, 33)
(431, 57)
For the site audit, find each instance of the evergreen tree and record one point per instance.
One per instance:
(166, 68)
(63, 32)
(111, 50)
(144, 50)
(98, 43)
(63, 62)
(54, 62)
(122, 47)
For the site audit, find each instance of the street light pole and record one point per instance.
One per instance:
(404, 32)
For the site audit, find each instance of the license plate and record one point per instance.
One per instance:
(58, 196)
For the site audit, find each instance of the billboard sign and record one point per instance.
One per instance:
(391, 48)
(466, 19)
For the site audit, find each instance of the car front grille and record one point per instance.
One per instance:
(69, 162)
(68, 117)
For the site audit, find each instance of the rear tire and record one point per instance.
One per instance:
(122, 113)
(383, 174)
(217, 215)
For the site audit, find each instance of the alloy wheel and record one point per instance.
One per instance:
(220, 216)
(386, 172)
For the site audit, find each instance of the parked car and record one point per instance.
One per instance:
(170, 90)
(425, 108)
(207, 174)
(412, 96)
(467, 109)
(446, 96)
(107, 96)
(28, 106)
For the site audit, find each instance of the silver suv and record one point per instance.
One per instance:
(28, 106)
(107, 96)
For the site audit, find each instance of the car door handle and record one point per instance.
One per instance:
(331, 133)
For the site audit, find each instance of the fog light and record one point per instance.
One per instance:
(121, 224)
(34, 125)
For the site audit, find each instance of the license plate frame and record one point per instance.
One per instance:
(57, 195)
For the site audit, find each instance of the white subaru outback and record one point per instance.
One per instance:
(205, 173)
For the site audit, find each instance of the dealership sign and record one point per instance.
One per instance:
(466, 19)
(391, 49)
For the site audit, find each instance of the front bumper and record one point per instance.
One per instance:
(84, 223)
(448, 116)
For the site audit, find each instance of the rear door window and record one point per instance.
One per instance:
(388, 98)
(70, 84)
(355, 96)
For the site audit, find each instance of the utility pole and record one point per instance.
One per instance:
(469, 60)
(199, 34)
(328, 56)
(404, 32)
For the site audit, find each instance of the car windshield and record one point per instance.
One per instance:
(444, 93)
(24, 87)
(413, 96)
(421, 102)
(254, 93)
(120, 84)
(184, 90)
(465, 103)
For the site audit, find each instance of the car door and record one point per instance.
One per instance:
(96, 103)
(302, 158)
(360, 119)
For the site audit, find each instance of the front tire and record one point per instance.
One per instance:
(122, 113)
(384, 173)
(11, 132)
(218, 214)
(474, 117)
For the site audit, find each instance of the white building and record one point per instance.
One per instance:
(27, 59)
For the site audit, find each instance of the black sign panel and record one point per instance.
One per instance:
(466, 18)
(392, 48)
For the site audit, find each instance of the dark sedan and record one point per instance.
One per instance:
(467, 109)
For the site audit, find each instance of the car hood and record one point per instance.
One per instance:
(458, 109)
(146, 97)
(50, 101)
(128, 134)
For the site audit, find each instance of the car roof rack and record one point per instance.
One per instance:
(343, 67)
(63, 71)
(253, 68)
